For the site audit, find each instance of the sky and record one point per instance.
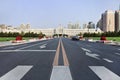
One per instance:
(52, 13)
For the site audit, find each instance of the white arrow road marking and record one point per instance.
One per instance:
(118, 54)
(87, 50)
(93, 55)
(32, 45)
(103, 73)
(61, 73)
(107, 60)
(43, 46)
(17, 73)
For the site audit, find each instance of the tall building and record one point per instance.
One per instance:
(84, 26)
(108, 21)
(23, 26)
(91, 25)
(27, 26)
(99, 24)
(73, 26)
(117, 21)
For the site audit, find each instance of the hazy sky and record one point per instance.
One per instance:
(51, 13)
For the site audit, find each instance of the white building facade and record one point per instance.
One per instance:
(51, 31)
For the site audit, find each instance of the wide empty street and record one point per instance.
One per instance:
(60, 59)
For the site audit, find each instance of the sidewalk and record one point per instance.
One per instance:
(7, 43)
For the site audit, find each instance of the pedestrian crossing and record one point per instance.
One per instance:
(19, 72)
(103, 73)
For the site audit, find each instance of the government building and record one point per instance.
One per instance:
(70, 30)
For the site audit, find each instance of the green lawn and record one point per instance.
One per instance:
(11, 38)
(108, 38)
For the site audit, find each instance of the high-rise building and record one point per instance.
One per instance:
(117, 21)
(91, 25)
(84, 26)
(73, 26)
(108, 21)
(27, 26)
(23, 26)
(99, 24)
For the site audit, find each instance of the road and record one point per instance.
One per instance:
(60, 59)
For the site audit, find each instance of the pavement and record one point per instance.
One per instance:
(60, 59)
(7, 43)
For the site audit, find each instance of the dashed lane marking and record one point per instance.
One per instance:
(103, 73)
(17, 73)
(118, 54)
(110, 61)
(87, 50)
(96, 56)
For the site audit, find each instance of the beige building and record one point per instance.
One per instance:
(117, 21)
(49, 31)
(108, 21)
(73, 26)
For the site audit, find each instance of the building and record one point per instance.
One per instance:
(85, 26)
(73, 26)
(49, 31)
(91, 25)
(99, 24)
(108, 21)
(117, 21)
(23, 26)
(3, 26)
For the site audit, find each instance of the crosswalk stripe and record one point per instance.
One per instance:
(17, 73)
(103, 73)
(61, 73)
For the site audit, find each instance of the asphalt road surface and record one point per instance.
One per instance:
(60, 59)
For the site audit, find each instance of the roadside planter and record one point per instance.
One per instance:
(18, 39)
(104, 40)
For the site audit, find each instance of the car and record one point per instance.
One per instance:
(75, 38)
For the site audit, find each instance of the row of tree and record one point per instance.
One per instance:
(28, 34)
(107, 34)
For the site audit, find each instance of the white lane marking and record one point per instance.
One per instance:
(93, 55)
(32, 45)
(118, 54)
(28, 50)
(87, 50)
(43, 46)
(61, 73)
(17, 73)
(8, 47)
(110, 61)
(118, 49)
(103, 73)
